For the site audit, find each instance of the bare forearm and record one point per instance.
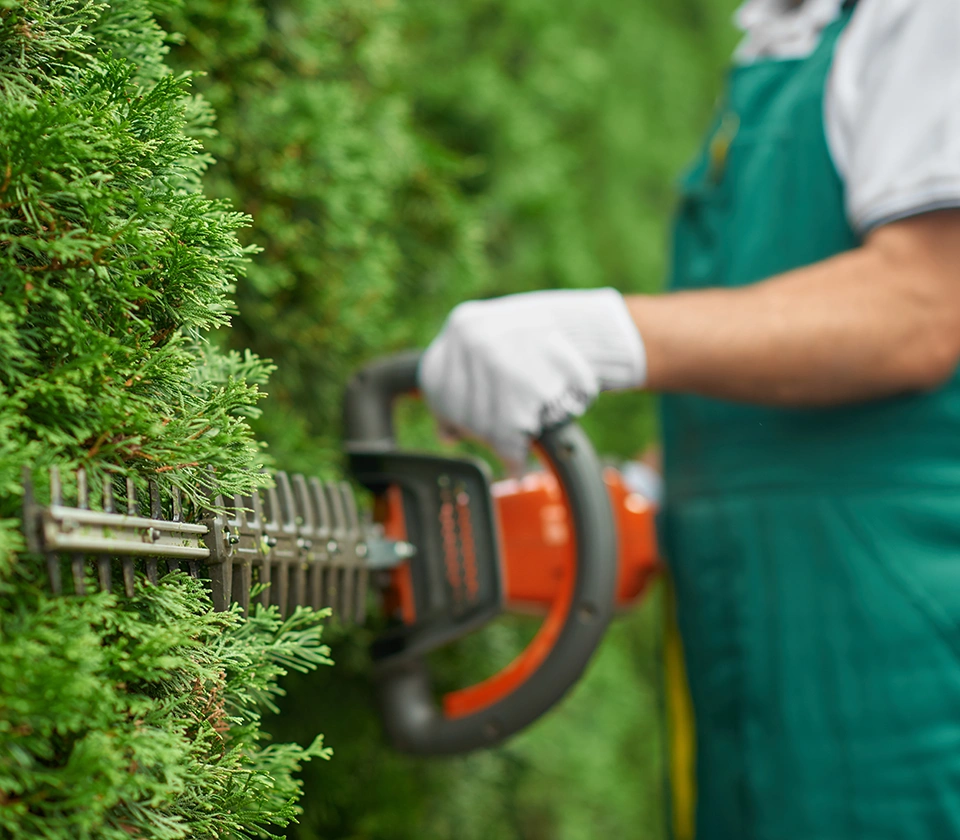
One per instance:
(878, 321)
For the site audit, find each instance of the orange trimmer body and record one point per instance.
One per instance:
(537, 541)
(537, 544)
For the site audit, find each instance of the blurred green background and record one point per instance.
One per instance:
(398, 158)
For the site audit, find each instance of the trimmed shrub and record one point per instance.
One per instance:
(140, 717)
(124, 717)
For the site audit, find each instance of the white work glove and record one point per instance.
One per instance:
(505, 370)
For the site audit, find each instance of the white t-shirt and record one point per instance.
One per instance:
(892, 106)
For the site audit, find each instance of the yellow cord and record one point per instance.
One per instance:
(681, 734)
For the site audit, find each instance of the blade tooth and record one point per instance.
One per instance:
(239, 580)
(105, 573)
(31, 515)
(221, 523)
(331, 586)
(76, 570)
(299, 596)
(282, 589)
(266, 568)
(229, 558)
(240, 564)
(324, 519)
(218, 565)
(271, 504)
(220, 581)
(289, 556)
(83, 491)
(347, 602)
(53, 573)
(239, 518)
(133, 507)
(302, 545)
(241, 521)
(127, 566)
(303, 517)
(155, 509)
(351, 512)
(336, 580)
(338, 516)
(323, 584)
(279, 585)
(286, 514)
(329, 545)
(176, 506)
(152, 564)
(270, 527)
(315, 584)
(363, 585)
(351, 531)
(56, 488)
(266, 578)
(177, 502)
(304, 506)
(321, 574)
(364, 526)
(256, 505)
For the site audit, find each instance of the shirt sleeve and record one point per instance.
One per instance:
(892, 110)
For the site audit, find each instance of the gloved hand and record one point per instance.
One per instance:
(504, 370)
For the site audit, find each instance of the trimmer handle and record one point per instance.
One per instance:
(368, 404)
(485, 714)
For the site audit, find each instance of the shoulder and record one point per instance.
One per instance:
(891, 108)
(781, 29)
(881, 29)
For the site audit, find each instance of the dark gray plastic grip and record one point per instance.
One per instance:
(368, 403)
(413, 720)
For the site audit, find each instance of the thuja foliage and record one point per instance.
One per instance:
(123, 718)
(112, 262)
(140, 717)
(398, 157)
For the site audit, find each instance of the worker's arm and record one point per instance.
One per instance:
(880, 320)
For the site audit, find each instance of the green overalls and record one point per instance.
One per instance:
(815, 554)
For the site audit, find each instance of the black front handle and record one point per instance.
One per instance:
(368, 403)
(413, 719)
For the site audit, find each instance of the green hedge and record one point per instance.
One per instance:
(123, 717)
(398, 158)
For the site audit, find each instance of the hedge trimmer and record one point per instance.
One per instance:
(441, 552)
